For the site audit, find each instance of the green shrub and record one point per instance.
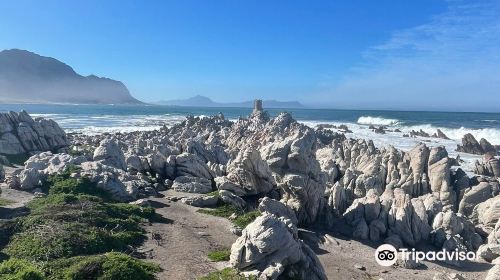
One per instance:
(226, 274)
(214, 193)
(15, 269)
(219, 255)
(110, 266)
(5, 202)
(67, 232)
(64, 183)
(65, 225)
(226, 210)
(244, 220)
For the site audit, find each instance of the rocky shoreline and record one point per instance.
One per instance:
(294, 175)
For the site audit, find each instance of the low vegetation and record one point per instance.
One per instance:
(219, 255)
(75, 233)
(214, 193)
(108, 266)
(226, 274)
(244, 220)
(225, 211)
(15, 269)
(5, 202)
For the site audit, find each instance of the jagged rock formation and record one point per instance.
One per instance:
(270, 244)
(247, 174)
(490, 166)
(471, 146)
(109, 153)
(20, 134)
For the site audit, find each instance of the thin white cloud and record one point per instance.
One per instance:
(453, 61)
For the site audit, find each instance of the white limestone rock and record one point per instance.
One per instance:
(110, 153)
(191, 184)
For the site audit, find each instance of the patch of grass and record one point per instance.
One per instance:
(214, 193)
(224, 211)
(226, 274)
(16, 269)
(219, 255)
(108, 266)
(5, 202)
(244, 220)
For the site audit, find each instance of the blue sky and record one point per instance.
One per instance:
(385, 54)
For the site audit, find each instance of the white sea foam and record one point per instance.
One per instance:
(97, 124)
(490, 134)
(397, 140)
(368, 120)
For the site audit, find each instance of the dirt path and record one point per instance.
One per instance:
(186, 239)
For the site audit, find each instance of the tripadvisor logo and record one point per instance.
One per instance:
(387, 255)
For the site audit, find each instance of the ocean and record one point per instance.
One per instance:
(94, 119)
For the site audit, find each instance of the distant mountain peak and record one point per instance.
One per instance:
(203, 101)
(28, 77)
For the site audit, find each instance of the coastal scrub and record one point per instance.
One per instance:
(76, 232)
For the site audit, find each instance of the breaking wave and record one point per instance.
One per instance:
(368, 120)
(490, 134)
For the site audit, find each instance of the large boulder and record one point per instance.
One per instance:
(271, 245)
(489, 167)
(119, 184)
(38, 167)
(470, 145)
(487, 213)
(399, 218)
(439, 176)
(109, 153)
(277, 208)
(302, 194)
(453, 231)
(187, 164)
(232, 199)
(473, 197)
(20, 134)
(249, 173)
(201, 201)
(191, 184)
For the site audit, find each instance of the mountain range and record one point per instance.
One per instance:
(203, 101)
(26, 77)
